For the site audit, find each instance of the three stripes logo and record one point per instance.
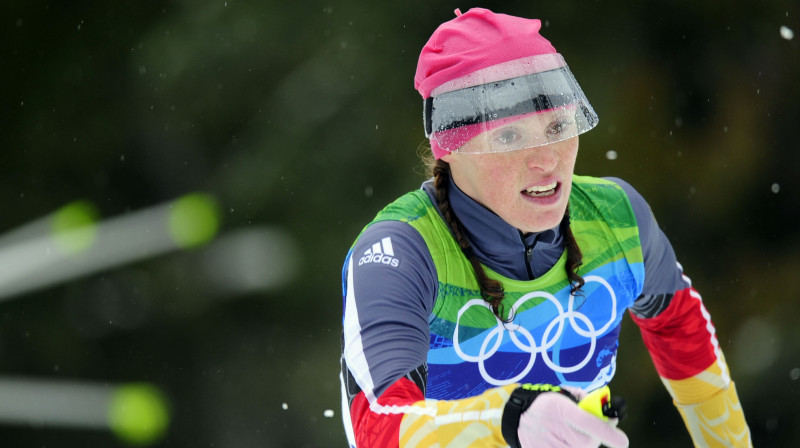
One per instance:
(381, 252)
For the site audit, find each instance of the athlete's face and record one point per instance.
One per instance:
(528, 188)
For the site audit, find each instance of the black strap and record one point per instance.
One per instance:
(427, 119)
(527, 93)
(519, 402)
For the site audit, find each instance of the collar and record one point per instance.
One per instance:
(499, 245)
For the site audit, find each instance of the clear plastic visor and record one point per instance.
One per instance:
(522, 111)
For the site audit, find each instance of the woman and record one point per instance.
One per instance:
(480, 309)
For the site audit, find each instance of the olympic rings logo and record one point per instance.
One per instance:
(552, 333)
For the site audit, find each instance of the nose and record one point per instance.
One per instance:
(542, 158)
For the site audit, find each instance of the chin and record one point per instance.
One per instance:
(543, 223)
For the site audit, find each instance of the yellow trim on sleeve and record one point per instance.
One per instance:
(710, 407)
(718, 421)
(470, 422)
(701, 387)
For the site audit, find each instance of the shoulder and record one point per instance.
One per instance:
(603, 197)
(386, 236)
(395, 249)
(633, 195)
(407, 208)
(663, 274)
(390, 264)
(395, 221)
(641, 209)
(617, 184)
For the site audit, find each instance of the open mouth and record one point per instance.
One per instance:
(542, 191)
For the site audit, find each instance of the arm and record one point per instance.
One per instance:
(388, 300)
(683, 344)
(680, 336)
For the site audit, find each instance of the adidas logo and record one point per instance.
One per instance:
(380, 253)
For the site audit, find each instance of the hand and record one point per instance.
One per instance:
(554, 420)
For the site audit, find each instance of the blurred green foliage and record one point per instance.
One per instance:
(302, 115)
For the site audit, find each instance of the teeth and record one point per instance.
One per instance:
(542, 188)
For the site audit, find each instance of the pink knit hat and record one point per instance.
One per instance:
(477, 41)
(473, 41)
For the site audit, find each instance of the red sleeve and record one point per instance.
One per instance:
(681, 340)
(381, 429)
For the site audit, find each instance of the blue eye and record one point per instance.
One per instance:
(507, 136)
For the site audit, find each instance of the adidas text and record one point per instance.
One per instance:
(382, 253)
(379, 258)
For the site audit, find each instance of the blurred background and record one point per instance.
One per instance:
(181, 180)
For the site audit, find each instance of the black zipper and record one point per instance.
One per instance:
(528, 256)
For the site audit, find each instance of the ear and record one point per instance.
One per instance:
(447, 157)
